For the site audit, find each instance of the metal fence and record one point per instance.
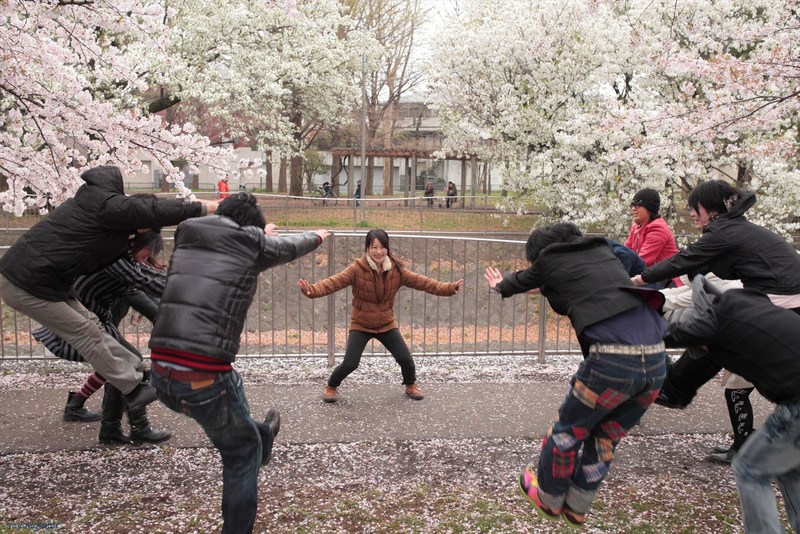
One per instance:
(282, 322)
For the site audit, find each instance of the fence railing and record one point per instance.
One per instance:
(283, 323)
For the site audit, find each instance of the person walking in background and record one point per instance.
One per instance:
(82, 235)
(357, 194)
(650, 236)
(428, 193)
(748, 335)
(210, 286)
(376, 278)
(223, 188)
(451, 193)
(100, 292)
(620, 334)
(733, 248)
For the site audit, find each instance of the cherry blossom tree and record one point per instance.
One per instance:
(71, 78)
(582, 103)
(275, 72)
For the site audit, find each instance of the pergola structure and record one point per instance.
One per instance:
(411, 155)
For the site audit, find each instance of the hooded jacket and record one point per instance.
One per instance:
(86, 233)
(583, 280)
(746, 334)
(734, 248)
(374, 292)
(211, 281)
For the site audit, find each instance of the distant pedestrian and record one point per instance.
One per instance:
(357, 194)
(211, 282)
(223, 188)
(376, 278)
(620, 334)
(429, 192)
(451, 194)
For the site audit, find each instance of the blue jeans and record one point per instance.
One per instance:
(772, 453)
(244, 444)
(607, 396)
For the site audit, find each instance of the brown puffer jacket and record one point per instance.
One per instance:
(373, 293)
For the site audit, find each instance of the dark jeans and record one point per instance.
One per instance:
(687, 375)
(244, 444)
(608, 395)
(357, 341)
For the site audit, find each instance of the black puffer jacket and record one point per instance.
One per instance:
(734, 248)
(211, 282)
(86, 233)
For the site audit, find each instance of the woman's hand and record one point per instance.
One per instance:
(459, 283)
(493, 277)
(305, 287)
(637, 280)
(322, 234)
(271, 229)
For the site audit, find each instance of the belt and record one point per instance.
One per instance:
(628, 350)
(182, 376)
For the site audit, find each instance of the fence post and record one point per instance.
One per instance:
(542, 328)
(330, 302)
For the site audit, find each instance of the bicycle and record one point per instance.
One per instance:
(324, 195)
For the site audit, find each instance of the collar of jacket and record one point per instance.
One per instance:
(386, 264)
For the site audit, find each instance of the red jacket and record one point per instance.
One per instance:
(222, 185)
(653, 241)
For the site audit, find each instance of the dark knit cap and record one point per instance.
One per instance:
(648, 199)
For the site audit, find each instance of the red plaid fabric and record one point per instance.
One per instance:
(648, 398)
(563, 463)
(613, 430)
(611, 398)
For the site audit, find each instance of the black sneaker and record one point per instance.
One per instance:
(273, 423)
(142, 395)
(723, 457)
(665, 401)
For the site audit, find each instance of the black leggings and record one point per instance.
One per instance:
(357, 341)
(741, 413)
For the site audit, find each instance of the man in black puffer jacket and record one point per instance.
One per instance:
(211, 282)
(81, 236)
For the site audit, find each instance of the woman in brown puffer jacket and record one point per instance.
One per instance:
(376, 277)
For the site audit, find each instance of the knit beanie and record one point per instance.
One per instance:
(648, 199)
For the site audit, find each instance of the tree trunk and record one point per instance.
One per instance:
(388, 176)
(268, 178)
(370, 175)
(296, 176)
(282, 176)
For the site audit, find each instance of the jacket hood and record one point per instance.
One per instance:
(745, 202)
(107, 177)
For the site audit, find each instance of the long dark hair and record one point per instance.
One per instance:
(152, 240)
(714, 195)
(383, 239)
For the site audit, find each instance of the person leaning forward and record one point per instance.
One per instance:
(82, 235)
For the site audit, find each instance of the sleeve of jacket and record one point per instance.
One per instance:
(428, 285)
(149, 280)
(629, 242)
(124, 212)
(694, 259)
(334, 283)
(520, 282)
(653, 244)
(277, 250)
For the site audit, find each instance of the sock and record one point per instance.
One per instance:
(93, 382)
(740, 412)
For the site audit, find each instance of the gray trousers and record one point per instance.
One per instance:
(79, 327)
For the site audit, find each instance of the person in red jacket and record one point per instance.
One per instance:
(650, 236)
(223, 188)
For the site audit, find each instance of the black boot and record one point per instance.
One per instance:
(141, 431)
(111, 422)
(75, 411)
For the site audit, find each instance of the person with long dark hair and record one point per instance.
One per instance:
(733, 248)
(376, 278)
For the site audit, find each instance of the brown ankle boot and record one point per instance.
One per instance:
(412, 390)
(329, 394)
